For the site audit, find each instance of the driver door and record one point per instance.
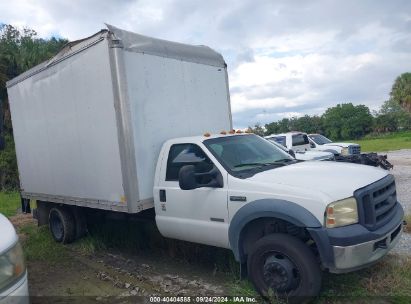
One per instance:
(199, 215)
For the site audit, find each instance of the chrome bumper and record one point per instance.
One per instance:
(349, 258)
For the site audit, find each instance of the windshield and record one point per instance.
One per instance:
(247, 154)
(320, 139)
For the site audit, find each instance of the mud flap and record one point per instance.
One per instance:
(25, 205)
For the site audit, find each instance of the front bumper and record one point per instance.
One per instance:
(357, 256)
(16, 294)
(353, 247)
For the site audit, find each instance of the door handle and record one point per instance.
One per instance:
(163, 197)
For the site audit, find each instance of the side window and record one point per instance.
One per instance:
(300, 139)
(186, 154)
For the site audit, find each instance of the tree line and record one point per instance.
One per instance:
(347, 121)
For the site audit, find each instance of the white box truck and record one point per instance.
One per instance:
(115, 122)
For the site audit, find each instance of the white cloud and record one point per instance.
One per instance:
(285, 57)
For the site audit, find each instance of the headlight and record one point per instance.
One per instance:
(344, 151)
(341, 213)
(12, 266)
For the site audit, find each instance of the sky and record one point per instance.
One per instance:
(285, 57)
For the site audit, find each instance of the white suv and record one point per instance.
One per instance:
(13, 274)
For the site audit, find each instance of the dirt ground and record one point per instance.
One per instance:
(401, 160)
(112, 276)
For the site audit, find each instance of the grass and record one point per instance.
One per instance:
(386, 142)
(407, 218)
(39, 245)
(9, 203)
(390, 278)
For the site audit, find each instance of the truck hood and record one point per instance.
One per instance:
(342, 145)
(8, 234)
(335, 180)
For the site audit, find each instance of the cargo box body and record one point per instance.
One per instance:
(89, 123)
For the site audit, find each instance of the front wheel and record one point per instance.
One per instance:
(283, 266)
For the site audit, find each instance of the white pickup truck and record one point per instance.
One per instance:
(115, 122)
(299, 144)
(13, 274)
(302, 155)
(319, 142)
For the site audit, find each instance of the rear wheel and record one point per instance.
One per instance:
(283, 266)
(62, 225)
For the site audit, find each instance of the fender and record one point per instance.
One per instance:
(281, 209)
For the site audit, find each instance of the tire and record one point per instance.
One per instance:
(62, 225)
(285, 265)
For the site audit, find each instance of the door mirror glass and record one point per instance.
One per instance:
(189, 179)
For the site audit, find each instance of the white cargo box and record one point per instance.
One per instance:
(89, 123)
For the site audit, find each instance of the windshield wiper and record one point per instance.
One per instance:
(277, 162)
(251, 164)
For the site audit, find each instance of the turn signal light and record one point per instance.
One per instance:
(223, 132)
(232, 132)
(207, 134)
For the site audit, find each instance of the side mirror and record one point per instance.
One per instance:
(291, 152)
(188, 178)
(312, 145)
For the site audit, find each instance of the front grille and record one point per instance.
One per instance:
(376, 202)
(354, 150)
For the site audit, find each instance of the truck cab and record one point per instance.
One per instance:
(278, 216)
(295, 141)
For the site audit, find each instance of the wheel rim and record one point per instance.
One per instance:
(280, 273)
(56, 226)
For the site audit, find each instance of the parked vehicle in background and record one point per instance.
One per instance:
(296, 141)
(348, 152)
(303, 155)
(13, 273)
(319, 142)
(114, 122)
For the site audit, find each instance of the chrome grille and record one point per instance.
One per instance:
(376, 202)
(354, 150)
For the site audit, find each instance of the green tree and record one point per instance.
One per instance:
(257, 129)
(346, 121)
(401, 91)
(391, 117)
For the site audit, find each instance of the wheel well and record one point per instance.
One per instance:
(258, 228)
